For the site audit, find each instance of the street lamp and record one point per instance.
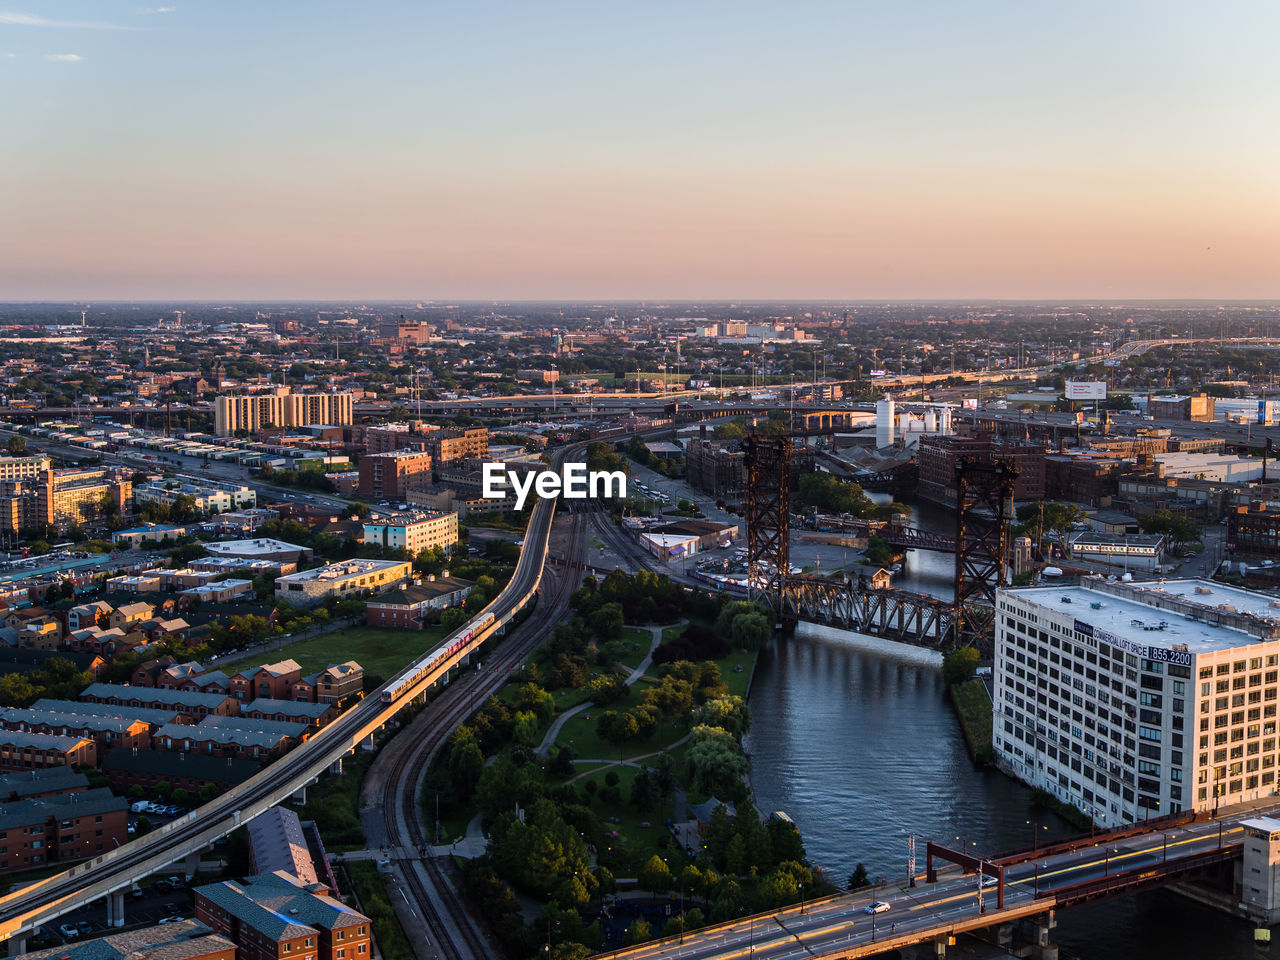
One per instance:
(1035, 833)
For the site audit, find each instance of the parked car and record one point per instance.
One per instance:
(69, 931)
(172, 920)
(85, 927)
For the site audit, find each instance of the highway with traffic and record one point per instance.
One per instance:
(882, 918)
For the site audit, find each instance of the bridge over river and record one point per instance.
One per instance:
(1008, 893)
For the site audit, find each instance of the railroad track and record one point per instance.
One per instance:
(454, 934)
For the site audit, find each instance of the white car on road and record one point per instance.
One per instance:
(878, 907)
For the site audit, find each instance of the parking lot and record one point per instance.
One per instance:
(145, 907)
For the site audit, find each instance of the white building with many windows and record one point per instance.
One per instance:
(414, 532)
(1132, 700)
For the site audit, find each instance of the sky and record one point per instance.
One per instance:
(379, 149)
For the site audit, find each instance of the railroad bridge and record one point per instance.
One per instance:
(854, 605)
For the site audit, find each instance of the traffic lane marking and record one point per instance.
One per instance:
(1083, 865)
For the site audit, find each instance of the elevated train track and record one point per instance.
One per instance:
(113, 873)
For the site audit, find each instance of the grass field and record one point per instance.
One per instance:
(380, 651)
(974, 708)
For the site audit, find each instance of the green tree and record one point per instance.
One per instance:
(607, 622)
(466, 762)
(859, 879)
(17, 446)
(959, 665)
(729, 713)
(716, 762)
(638, 933)
(879, 552)
(644, 791)
(654, 875)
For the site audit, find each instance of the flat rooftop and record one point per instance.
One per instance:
(248, 548)
(341, 570)
(1201, 614)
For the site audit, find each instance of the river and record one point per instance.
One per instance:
(853, 739)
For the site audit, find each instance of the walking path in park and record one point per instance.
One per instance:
(554, 731)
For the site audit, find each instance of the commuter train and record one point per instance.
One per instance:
(429, 662)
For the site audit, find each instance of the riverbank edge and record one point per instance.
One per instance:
(973, 707)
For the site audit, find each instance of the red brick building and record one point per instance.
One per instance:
(31, 751)
(275, 916)
(938, 457)
(62, 828)
(271, 681)
(387, 476)
(190, 771)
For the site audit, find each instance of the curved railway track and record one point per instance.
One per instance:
(452, 932)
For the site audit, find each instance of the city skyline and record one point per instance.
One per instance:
(334, 151)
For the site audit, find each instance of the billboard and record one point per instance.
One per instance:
(1086, 390)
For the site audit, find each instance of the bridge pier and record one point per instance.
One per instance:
(17, 944)
(300, 795)
(115, 909)
(192, 866)
(336, 767)
(1044, 926)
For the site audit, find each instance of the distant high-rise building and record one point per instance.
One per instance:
(253, 412)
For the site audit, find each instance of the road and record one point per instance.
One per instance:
(841, 925)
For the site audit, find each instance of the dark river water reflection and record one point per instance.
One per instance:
(853, 739)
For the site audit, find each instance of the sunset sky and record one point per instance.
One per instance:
(256, 149)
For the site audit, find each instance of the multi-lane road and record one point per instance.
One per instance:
(843, 926)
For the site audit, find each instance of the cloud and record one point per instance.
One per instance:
(15, 19)
(148, 11)
(64, 57)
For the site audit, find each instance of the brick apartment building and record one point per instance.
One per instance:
(387, 476)
(1254, 532)
(716, 469)
(62, 828)
(938, 456)
(190, 771)
(274, 915)
(20, 750)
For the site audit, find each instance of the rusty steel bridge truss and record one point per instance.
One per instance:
(768, 517)
(981, 544)
(894, 614)
(984, 494)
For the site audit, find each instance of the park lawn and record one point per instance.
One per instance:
(381, 652)
(640, 642)
(737, 682)
(579, 735)
(641, 843)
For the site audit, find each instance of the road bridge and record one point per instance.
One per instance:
(997, 892)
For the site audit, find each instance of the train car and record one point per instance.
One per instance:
(428, 662)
